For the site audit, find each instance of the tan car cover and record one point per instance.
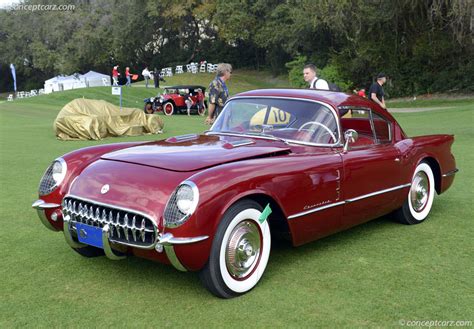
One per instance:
(95, 119)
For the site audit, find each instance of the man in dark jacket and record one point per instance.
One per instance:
(376, 92)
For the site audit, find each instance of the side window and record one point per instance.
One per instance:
(382, 129)
(357, 119)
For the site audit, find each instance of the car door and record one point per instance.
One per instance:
(372, 180)
(315, 196)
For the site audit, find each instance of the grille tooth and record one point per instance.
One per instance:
(126, 226)
(142, 230)
(91, 215)
(134, 229)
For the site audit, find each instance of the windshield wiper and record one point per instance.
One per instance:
(267, 136)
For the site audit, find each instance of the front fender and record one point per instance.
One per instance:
(76, 161)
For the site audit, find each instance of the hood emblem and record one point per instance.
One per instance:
(105, 189)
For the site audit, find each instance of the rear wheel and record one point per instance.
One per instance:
(168, 108)
(419, 201)
(239, 252)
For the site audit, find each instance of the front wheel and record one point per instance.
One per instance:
(419, 201)
(239, 252)
(168, 108)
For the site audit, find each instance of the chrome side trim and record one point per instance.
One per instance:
(169, 239)
(451, 173)
(40, 204)
(105, 241)
(174, 259)
(378, 192)
(348, 201)
(67, 234)
(316, 209)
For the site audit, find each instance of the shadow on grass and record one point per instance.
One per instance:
(284, 257)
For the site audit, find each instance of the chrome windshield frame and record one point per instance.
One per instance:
(338, 143)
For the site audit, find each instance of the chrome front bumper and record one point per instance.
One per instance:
(40, 207)
(164, 241)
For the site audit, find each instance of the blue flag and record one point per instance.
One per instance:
(12, 67)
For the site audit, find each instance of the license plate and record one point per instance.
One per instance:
(90, 235)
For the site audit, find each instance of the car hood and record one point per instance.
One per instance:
(194, 152)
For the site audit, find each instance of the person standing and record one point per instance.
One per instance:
(156, 78)
(218, 91)
(128, 76)
(376, 92)
(115, 75)
(146, 75)
(309, 75)
(200, 101)
(188, 101)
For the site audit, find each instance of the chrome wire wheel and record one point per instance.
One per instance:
(243, 249)
(419, 191)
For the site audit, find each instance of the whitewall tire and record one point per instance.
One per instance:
(420, 197)
(240, 251)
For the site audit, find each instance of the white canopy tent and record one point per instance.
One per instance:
(76, 81)
(96, 79)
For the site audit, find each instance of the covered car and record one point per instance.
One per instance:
(97, 119)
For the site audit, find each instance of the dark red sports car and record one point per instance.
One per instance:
(300, 163)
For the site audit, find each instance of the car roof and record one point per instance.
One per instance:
(335, 98)
(185, 87)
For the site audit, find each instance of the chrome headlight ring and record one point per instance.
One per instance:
(181, 204)
(53, 176)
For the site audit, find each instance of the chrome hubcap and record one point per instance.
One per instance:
(419, 191)
(243, 249)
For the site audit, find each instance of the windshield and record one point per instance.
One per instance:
(291, 120)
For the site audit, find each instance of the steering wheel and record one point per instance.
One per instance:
(318, 124)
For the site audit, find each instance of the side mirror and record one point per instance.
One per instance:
(350, 136)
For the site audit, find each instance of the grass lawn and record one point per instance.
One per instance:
(373, 275)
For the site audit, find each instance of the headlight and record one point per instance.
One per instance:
(182, 204)
(53, 176)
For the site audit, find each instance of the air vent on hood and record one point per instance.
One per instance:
(182, 138)
(237, 143)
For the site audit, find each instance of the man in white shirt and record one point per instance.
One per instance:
(309, 75)
(147, 75)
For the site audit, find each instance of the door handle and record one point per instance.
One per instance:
(397, 159)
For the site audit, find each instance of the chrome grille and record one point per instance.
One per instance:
(126, 227)
(47, 184)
